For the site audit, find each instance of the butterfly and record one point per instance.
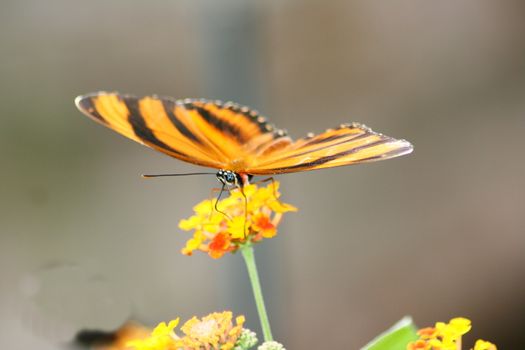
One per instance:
(234, 139)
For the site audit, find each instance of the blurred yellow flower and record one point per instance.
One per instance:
(484, 345)
(162, 338)
(447, 336)
(237, 221)
(454, 329)
(215, 331)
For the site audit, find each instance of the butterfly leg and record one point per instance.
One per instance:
(225, 189)
(220, 190)
(273, 187)
(241, 188)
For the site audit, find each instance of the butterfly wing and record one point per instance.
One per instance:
(232, 137)
(196, 131)
(346, 145)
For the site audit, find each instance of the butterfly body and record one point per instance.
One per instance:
(236, 140)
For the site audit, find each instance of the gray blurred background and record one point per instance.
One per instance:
(85, 242)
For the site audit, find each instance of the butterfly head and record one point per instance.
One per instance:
(228, 177)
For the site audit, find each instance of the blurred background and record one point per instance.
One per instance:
(85, 242)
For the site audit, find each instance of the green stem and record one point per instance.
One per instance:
(249, 259)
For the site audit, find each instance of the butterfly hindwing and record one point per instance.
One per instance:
(345, 145)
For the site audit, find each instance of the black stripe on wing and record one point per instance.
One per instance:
(251, 116)
(327, 159)
(239, 122)
(345, 138)
(140, 128)
(85, 104)
(169, 108)
(220, 124)
(317, 163)
(315, 141)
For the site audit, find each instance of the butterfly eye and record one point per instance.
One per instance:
(230, 177)
(227, 177)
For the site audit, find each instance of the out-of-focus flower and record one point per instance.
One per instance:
(271, 345)
(247, 340)
(453, 330)
(447, 336)
(216, 331)
(238, 220)
(162, 338)
(484, 345)
(418, 345)
(427, 333)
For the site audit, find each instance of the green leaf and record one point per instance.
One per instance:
(395, 338)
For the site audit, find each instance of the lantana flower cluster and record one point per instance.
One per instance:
(212, 332)
(248, 215)
(447, 336)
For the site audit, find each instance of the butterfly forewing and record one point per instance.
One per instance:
(232, 137)
(197, 131)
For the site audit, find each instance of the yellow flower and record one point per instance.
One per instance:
(215, 331)
(484, 345)
(442, 344)
(446, 336)
(235, 227)
(246, 216)
(162, 338)
(454, 329)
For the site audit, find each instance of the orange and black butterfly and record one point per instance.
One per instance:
(232, 138)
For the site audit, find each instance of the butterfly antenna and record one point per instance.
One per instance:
(149, 176)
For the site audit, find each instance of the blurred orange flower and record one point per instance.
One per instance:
(447, 336)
